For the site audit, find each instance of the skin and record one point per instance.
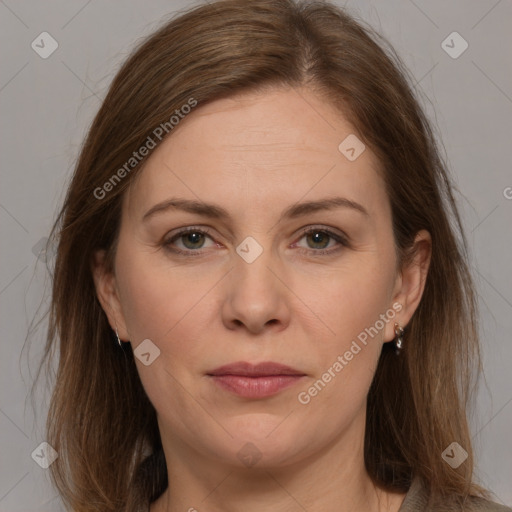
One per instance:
(255, 155)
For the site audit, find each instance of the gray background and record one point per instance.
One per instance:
(47, 105)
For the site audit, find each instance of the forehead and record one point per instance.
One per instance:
(257, 149)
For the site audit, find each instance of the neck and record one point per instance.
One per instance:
(334, 478)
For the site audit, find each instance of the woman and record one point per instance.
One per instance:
(260, 215)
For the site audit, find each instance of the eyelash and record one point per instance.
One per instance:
(342, 241)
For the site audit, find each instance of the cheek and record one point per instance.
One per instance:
(355, 304)
(172, 308)
(347, 360)
(155, 298)
(355, 296)
(166, 307)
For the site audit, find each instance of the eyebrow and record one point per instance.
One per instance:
(217, 212)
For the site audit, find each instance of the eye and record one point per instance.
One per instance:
(321, 240)
(191, 238)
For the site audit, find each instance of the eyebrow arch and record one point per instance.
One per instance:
(217, 212)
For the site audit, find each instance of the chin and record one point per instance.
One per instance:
(276, 445)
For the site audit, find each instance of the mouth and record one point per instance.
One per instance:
(255, 381)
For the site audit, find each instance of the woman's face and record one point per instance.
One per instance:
(281, 276)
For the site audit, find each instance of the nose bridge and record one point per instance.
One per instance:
(252, 267)
(255, 297)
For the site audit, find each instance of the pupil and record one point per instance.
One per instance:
(318, 237)
(193, 238)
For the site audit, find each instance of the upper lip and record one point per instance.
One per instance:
(243, 368)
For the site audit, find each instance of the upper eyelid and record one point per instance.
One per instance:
(319, 227)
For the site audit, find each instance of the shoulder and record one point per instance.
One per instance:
(480, 504)
(417, 500)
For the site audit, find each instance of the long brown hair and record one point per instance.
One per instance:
(100, 421)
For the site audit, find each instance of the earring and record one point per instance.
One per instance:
(399, 332)
(118, 340)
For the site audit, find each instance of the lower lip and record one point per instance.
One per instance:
(256, 387)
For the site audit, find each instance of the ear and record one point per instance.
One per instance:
(108, 295)
(410, 282)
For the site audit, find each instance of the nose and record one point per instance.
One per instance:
(256, 297)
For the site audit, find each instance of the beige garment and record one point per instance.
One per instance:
(416, 500)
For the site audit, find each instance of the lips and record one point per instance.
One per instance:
(255, 381)
(265, 369)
